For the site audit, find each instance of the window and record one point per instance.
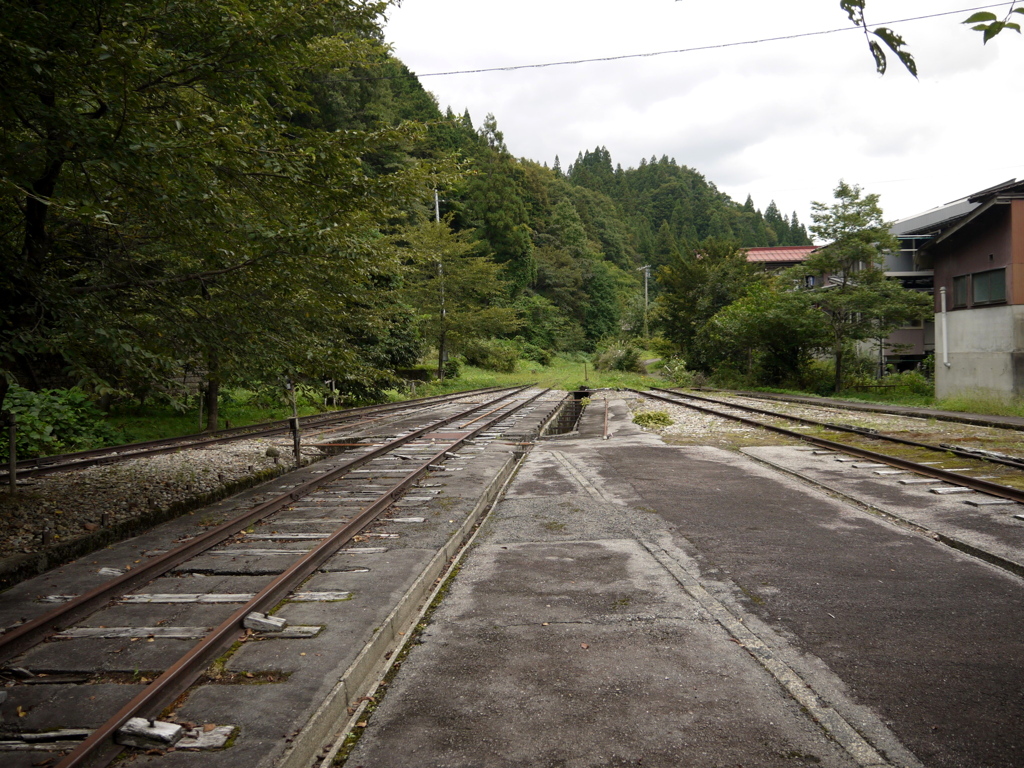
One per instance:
(989, 287)
(960, 291)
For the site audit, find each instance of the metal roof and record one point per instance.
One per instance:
(935, 220)
(781, 253)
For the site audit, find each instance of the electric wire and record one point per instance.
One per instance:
(651, 54)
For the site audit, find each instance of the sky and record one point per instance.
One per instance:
(782, 120)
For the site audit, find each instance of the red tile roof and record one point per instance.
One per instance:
(790, 253)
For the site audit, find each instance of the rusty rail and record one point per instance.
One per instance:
(99, 748)
(46, 465)
(984, 486)
(33, 632)
(850, 430)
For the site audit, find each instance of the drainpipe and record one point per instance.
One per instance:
(945, 327)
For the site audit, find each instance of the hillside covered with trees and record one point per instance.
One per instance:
(246, 198)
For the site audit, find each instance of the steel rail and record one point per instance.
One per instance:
(26, 635)
(183, 673)
(65, 462)
(974, 419)
(984, 486)
(965, 454)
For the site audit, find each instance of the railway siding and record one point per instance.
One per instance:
(966, 520)
(271, 689)
(59, 516)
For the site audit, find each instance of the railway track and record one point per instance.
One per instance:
(337, 511)
(863, 407)
(856, 442)
(350, 417)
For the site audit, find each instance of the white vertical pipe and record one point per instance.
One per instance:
(945, 327)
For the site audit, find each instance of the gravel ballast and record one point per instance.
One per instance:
(67, 506)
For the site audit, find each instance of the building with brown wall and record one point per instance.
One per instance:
(978, 260)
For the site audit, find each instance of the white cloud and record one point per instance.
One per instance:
(778, 120)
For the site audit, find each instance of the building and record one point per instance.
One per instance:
(780, 257)
(975, 249)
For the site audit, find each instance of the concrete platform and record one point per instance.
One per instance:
(633, 603)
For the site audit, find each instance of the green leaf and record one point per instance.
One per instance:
(879, 54)
(854, 9)
(896, 44)
(981, 16)
(993, 29)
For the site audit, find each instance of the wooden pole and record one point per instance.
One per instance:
(12, 451)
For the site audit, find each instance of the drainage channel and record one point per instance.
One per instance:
(565, 422)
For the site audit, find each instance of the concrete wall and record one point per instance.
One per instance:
(906, 341)
(986, 352)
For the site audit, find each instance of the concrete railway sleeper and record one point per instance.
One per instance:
(957, 479)
(424, 450)
(995, 544)
(967, 453)
(45, 465)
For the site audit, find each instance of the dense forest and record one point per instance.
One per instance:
(254, 199)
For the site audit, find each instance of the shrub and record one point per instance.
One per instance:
(818, 376)
(626, 359)
(532, 352)
(675, 371)
(912, 382)
(492, 354)
(653, 419)
(55, 421)
(452, 368)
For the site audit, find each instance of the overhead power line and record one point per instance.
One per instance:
(651, 54)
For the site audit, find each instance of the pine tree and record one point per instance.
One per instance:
(496, 207)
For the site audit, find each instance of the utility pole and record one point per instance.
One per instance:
(646, 269)
(442, 355)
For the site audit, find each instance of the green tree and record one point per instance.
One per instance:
(986, 23)
(850, 288)
(156, 165)
(495, 207)
(457, 293)
(776, 329)
(694, 286)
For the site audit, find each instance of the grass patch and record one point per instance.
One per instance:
(653, 419)
(138, 423)
(564, 372)
(991, 406)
